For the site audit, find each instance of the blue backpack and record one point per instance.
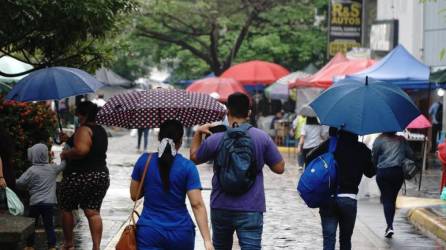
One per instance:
(235, 165)
(318, 182)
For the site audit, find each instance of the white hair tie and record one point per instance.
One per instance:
(163, 144)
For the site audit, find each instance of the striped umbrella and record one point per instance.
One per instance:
(148, 109)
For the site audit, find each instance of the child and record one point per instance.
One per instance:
(40, 180)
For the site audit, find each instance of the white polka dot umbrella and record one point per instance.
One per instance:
(148, 109)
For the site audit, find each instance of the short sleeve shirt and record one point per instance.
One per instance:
(266, 152)
(166, 210)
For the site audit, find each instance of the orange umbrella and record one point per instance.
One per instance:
(221, 86)
(254, 72)
(306, 82)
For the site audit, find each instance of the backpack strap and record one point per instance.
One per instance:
(333, 142)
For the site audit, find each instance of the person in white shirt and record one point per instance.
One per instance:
(311, 136)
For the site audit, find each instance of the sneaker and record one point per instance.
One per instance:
(389, 233)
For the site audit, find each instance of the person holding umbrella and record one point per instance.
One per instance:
(358, 108)
(389, 153)
(85, 178)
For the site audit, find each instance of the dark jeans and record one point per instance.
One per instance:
(389, 182)
(305, 152)
(247, 225)
(342, 211)
(47, 213)
(144, 131)
(436, 128)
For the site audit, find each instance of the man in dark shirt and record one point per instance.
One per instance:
(353, 160)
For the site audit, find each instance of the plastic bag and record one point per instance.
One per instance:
(443, 194)
(14, 204)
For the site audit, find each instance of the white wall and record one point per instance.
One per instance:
(410, 16)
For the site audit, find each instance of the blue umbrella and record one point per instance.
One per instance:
(365, 108)
(53, 83)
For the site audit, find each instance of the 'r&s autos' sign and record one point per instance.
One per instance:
(344, 26)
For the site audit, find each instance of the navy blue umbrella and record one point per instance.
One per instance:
(53, 83)
(365, 107)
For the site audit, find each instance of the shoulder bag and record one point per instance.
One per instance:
(128, 236)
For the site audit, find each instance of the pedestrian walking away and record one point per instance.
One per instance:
(311, 136)
(40, 180)
(237, 209)
(389, 153)
(165, 222)
(85, 178)
(143, 132)
(353, 160)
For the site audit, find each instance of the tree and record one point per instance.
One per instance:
(49, 32)
(219, 32)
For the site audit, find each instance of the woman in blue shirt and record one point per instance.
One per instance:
(165, 222)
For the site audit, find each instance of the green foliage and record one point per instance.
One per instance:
(49, 32)
(27, 124)
(196, 37)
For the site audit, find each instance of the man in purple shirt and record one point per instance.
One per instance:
(241, 213)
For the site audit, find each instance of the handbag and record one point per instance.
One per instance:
(15, 206)
(410, 169)
(127, 241)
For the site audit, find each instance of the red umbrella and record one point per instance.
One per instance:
(148, 109)
(253, 72)
(222, 86)
(420, 122)
(306, 82)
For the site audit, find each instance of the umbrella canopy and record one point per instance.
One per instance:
(280, 89)
(400, 68)
(419, 123)
(365, 108)
(253, 72)
(223, 87)
(306, 82)
(12, 66)
(53, 83)
(148, 109)
(110, 78)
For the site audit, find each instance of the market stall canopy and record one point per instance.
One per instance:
(400, 68)
(11, 65)
(438, 76)
(280, 89)
(306, 82)
(256, 72)
(110, 78)
(338, 70)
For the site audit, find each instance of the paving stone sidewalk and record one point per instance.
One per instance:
(288, 223)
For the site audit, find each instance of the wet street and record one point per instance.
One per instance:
(288, 223)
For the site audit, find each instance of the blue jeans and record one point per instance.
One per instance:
(247, 225)
(47, 213)
(342, 211)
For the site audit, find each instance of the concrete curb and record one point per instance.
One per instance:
(427, 220)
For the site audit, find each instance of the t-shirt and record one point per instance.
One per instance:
(266, 152)
(166, 210)
(314, 135)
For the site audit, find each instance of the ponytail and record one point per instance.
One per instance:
(165, 164)
(170, 135)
